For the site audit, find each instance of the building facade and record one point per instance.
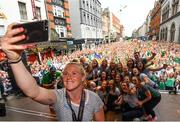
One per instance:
(106, 25)
(56, 11)
(155, 21)
(148, 22)
(20, 11)
(116, 31)
(86, 22)
(141, 32)
(170, 21)
(58, 15)
(112, 28)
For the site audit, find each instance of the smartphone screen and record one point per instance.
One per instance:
(37, 31)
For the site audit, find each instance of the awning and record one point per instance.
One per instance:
(58, 45)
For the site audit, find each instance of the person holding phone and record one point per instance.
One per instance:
(73, 102)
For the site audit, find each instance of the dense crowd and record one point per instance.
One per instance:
(122, 54)
(122, 72)
(126, 73)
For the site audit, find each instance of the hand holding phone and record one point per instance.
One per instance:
(37, 31)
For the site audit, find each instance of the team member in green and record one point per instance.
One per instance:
(51, 77)
(49, 80)
(170, 82)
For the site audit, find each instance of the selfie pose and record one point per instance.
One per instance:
(72, 102)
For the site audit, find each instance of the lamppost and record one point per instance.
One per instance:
(120, 10)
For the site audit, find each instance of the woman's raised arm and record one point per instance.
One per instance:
(24, 79)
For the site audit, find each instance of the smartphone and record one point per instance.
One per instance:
(36, 31)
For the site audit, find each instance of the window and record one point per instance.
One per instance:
(165, 13)
(62, 34)
(166, 33)
(87, 18)
(91, 22)
(161, 34)
(22, 10)
(84, 17)
(38, 13)
(172, 32)
(94, 21)
(91, 8)
(58, 2)
(61, 31)
(83, 4)
(58, 11)
(87, 5)
(175, 7)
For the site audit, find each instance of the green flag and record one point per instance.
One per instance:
(49, 63)
(148, 53)
(163, 53)
(177, 60)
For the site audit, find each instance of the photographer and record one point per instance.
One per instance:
(68, 102)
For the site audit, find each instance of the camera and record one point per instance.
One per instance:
(36, 31)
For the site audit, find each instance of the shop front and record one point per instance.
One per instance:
(45, 50)
(78, 44)
(51, 49)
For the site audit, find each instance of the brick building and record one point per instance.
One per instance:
(155, 21)
(58, 15)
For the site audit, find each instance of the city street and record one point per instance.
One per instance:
(118, 49)
(23, 109)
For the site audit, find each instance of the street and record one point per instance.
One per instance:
(23, 109)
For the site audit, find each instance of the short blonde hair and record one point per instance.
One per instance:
(79, 65)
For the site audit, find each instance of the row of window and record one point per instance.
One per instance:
(175, 7)
(166, 10)
(89, 19)
(58, 11)
(23, 11)
(92, 7)
(58, 2)
(164, 33)
(61, 31)
(88, 32)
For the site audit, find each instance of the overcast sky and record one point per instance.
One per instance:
(131, 16)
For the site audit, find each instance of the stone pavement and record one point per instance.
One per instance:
(25, 109)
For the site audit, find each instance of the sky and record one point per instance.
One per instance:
(133, 15)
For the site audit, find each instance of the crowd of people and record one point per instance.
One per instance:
(5, 84)
(125, 75)
(123, 54)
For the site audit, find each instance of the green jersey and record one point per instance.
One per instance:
(161, 85)
(170, 82)
(48, 78)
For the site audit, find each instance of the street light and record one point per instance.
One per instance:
(122, 8)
